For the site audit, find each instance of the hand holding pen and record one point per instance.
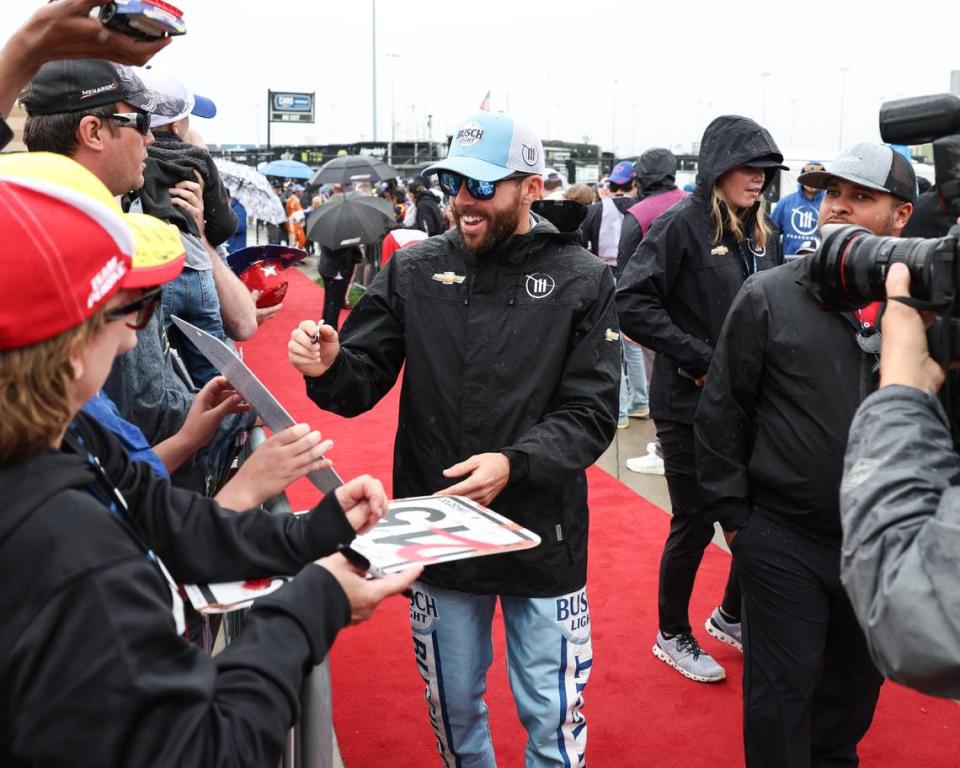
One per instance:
(313, 347)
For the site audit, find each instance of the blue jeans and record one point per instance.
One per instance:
(633, 379)
(549, 656)
(193, 297)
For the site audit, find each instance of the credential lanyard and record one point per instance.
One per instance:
(748, 262)
(110, 495)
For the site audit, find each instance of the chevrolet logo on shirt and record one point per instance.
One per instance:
(611, 335)
(449, 278)
(720, 250)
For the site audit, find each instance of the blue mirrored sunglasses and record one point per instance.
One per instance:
(451, 182)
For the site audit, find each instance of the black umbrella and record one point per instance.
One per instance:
(347, 221)
(374, 201)
(350, 169)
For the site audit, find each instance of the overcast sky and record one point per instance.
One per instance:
(627, 74)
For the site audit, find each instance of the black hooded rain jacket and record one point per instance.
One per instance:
(675, 292)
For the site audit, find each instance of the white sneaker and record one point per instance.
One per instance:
(651, 464)
(685, 655)
(725, 631)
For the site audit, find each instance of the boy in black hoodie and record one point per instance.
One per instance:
(93, 666)
(182, 186)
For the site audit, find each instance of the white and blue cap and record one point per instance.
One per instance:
(169, 87)
(489, 146)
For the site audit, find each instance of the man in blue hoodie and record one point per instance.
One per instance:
(797, 215)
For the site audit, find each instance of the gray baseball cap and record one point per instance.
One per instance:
(874, 166)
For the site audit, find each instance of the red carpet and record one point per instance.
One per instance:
(640, 711)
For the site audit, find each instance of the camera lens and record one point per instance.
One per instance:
(851, 267)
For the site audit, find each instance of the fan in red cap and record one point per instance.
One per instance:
(261, 268)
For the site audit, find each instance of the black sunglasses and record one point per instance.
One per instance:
(144, 306)
(451, 182)
(138, 120)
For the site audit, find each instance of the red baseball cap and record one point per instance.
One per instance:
(68, 248)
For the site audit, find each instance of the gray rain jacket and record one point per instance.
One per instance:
(901, 538)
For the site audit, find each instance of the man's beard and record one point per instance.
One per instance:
(504, 225)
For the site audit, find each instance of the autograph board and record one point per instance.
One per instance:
(422, 530)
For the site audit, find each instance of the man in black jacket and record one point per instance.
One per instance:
(507, 329)
(771, 428)
(428, 218)
(600, 233)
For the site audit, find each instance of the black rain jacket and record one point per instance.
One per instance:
(92, 669)
(783, 387)
(675, 292)
(656, 174)
(515, 351)
(590, 229)
(429, 217)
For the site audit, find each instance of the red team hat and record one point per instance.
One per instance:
(68, 248)
(261, 268)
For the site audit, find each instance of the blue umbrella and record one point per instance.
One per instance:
(287, 169)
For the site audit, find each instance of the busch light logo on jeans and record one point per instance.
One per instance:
(573, 614)
(423, 610)
(423, 615)
(469, 134)
(573, 617)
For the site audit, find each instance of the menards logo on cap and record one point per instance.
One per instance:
(94, 91)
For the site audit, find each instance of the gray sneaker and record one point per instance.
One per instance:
(685, 655)
(725, 631)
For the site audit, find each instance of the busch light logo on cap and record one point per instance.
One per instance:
(470, 134)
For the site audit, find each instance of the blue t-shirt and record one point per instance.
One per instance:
(798, 218)
(102, 408)
(239, 238)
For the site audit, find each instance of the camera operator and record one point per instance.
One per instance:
(771, 427)
(901, 513)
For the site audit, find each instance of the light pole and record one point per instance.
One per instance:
(764, 76)
(843, 98)
(793, 122)
(633, 132)
(374, 52)
(393, 104)
(549, 102)
(613, 119)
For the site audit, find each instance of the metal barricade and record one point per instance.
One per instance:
(311, 743)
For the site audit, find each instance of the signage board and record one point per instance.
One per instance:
(286, 107)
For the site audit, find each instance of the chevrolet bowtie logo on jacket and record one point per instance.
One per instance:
(448, 278)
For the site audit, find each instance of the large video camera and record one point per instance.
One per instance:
(851, 266)
(925, 119)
